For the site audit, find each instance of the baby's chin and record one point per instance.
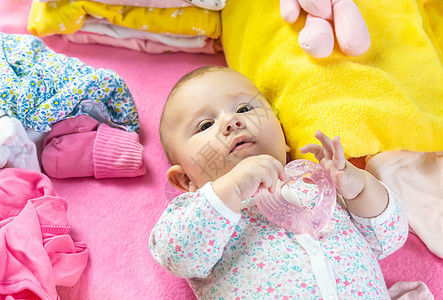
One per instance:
(284, 157)
(233, 160)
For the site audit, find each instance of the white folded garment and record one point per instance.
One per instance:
(16, 149)
(120, 32)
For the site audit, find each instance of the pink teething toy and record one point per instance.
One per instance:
(285, 209)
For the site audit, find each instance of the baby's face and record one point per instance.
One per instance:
(221, 118)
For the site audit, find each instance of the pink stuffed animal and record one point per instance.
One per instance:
(317, 37)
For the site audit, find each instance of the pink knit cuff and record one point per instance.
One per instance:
(117, 153)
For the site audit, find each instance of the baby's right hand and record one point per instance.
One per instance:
(243, 181)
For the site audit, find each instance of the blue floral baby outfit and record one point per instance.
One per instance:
(40, 87)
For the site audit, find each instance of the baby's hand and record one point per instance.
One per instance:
(348, 179)
(247, 177)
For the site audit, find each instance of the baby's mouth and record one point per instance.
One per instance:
(240, 143)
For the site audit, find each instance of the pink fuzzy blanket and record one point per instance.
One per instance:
(115, 216)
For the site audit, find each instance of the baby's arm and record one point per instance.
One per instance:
(246, 178)
(375, 210)
(387, 232)
(191, 234)
(364, 195)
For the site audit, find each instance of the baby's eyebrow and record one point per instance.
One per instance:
(192, 118)
(197, 113)
(243, 95)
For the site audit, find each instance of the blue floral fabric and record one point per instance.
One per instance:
(40, 87)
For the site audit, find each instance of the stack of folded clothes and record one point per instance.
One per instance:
(153, 26)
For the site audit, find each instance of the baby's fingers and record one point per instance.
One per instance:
(339, 160)
(326, 143)
(281, 173)
(278, 172)
(269, 171)
(315, 149)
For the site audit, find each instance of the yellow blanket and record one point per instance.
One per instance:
(391, 98)
(66, 17)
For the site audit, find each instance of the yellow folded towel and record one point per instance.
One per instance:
(66, 17)
(390, 98)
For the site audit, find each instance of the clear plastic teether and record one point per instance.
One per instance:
(287, 210)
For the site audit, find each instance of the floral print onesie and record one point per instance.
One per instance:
(40, 87)
(225, 255)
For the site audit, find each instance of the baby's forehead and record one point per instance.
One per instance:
(201, 86)
(208, 75)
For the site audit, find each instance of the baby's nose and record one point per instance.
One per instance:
(233, 124)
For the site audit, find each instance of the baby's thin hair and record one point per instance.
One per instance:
(192, 74)
(164, 130)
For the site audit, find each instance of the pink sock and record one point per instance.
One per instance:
(82, 123)
(74, 149)
(117, 153)
(69, 155)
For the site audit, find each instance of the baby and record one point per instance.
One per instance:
(224, 143)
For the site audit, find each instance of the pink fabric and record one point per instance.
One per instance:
(417, 179)
(60, 155)
(36, 251)
(405, 290)
(82, 37)
(79, 124)
(117, 153)
(105, 152)
(115, 216)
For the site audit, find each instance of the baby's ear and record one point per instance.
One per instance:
(288, 154)
(288, 149)
(177, 177)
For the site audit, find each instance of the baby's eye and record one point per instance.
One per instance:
(205, 125)
(244, 108)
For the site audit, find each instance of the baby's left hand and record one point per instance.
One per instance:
(348, 179)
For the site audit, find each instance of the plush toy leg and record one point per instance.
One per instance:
(318, 8)
(289, 10)
(350, 28)
(317, 37)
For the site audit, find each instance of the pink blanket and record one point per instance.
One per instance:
(115, 216)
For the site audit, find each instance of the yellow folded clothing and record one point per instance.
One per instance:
(66, 17)
(390, 98)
